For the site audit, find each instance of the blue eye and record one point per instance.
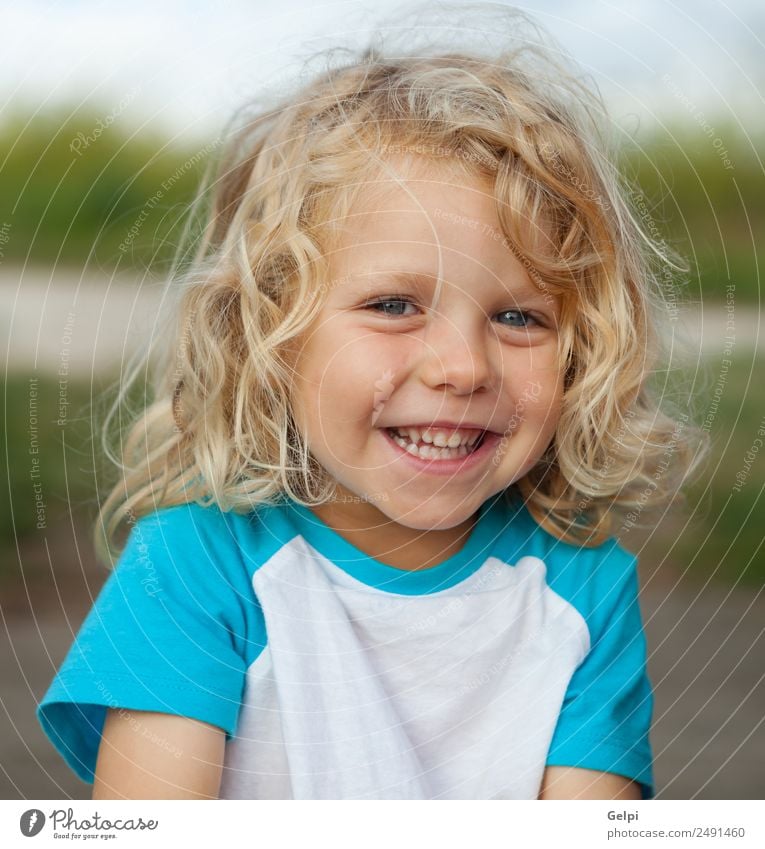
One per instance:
(386, 302)
(519, 318)
(394, 306)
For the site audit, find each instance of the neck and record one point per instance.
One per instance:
(371, 531)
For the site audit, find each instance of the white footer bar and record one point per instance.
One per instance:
(384, 824)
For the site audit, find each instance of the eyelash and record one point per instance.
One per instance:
(404, 299)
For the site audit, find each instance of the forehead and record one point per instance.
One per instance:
(419, 191)
(419, 201)
(426, 215)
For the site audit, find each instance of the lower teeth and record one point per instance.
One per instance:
(433, 452)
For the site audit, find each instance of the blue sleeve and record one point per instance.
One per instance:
(606, 715)
(172, 630)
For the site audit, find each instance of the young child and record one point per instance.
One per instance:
(402, 415)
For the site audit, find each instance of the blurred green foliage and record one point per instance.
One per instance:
(706, 197)
(717, 532)
(52, 463)
(72, 192)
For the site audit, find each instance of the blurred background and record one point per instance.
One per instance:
(108, 115)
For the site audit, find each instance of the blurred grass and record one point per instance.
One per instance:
(719, 532)
(730, 535)
(67, 203)
(707, 200)
(72, 472)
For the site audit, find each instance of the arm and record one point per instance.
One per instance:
(601, 742)
(562, 782)
(172, 632)
(147, 755)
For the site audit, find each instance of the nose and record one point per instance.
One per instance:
(456, 355)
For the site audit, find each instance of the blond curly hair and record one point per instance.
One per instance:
(219, 428)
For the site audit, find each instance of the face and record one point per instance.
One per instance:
(389, 376)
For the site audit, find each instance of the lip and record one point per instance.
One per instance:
(447, 426)
(446, 467)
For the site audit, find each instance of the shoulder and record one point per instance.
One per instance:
(526, 537)
(191, 563)
(593, 579)
(186, 525)
(174, 629)
(203, 537)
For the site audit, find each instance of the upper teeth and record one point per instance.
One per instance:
(439, 437)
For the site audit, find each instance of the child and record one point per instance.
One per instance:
(371, 508)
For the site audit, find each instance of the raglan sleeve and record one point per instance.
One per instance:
(167, 633)
(606, 715)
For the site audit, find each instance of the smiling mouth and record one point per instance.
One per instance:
(423, 443)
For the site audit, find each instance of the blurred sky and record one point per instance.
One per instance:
(185, 66)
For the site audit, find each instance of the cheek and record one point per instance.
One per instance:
(361, 357)
(341, 378)
(547, 416)
(534, 382)
(547, 406)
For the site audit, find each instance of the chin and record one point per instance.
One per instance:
(431, 517)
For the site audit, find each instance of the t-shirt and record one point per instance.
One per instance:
(337, 676)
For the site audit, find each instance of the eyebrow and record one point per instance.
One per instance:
(404, 276)
(418, 278)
